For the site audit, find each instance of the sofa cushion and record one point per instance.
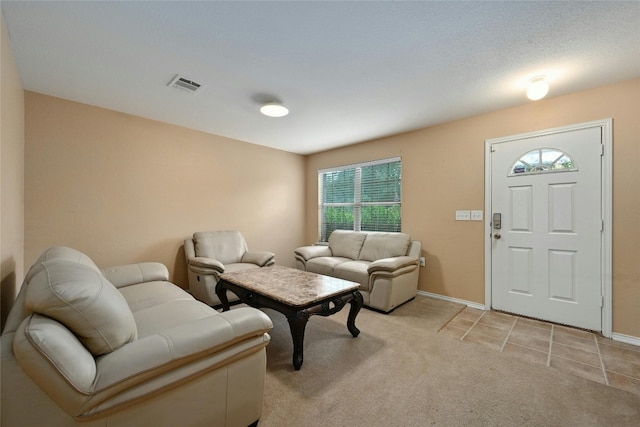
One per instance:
(158, 318)
(345, 243)
(225, 246)
(59, 253)
(324, 265)
(83, 300)
(354, 271)
(379, 245)
(151, 294)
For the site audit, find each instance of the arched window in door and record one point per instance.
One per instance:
(543, 160)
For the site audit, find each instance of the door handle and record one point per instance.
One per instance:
(497, 236)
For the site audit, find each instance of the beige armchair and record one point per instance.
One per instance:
(211, 253)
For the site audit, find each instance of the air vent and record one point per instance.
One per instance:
(185, 84)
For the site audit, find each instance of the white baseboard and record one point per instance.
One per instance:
(625, 338)
(471, 304)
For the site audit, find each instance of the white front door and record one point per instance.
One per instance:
(546, 226)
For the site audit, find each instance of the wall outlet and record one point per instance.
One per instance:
(422, 261)
(476, 215)
(463, 215)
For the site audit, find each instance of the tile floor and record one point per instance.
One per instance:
(580, 352)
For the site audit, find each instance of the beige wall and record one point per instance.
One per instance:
(443, 171)
(125, 189)
(11, 177)
(122, 188)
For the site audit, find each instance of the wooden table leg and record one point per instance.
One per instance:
(297, 323)
(356, 304)
(221, 292)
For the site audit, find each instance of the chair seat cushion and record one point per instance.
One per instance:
(354, 271)
(83, 300)
(239, 266)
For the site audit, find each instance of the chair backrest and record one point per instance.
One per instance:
(227, 246)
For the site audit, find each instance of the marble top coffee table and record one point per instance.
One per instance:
(296, 294)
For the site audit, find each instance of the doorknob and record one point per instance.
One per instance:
(497, 236)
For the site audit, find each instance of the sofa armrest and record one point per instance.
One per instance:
(308, 252)
(391, 264)
(203, 265)
(40, 335)
(259, 258)
(130, 274)
(153, 355)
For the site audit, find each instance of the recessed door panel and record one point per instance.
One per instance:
(521, 208)
(520, 270)
(562, 275)
(561, 208)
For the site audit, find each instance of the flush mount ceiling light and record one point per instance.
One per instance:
(274, 109)
(538, 88)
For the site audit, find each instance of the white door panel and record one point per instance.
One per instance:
(546, 257)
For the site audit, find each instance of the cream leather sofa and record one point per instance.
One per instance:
(211, 253)
(386, 265)
(123, 346)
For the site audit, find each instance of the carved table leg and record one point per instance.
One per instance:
(221, 292)
(356, 304)
(297, 324)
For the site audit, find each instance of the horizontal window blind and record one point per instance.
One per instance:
(365, 196)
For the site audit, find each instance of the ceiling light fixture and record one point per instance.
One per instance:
(538, 88)
(274, 109)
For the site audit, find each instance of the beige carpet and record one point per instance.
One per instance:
(401, 372)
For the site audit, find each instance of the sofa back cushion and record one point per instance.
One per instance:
(345, 243)
(59, 253)
(19, 310)
(225, 246)
(379, 245)
(84, 301)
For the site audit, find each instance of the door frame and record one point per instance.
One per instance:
(606, 237)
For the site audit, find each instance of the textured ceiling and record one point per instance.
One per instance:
(348, 71)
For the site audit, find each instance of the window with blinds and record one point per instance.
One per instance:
(361, 197)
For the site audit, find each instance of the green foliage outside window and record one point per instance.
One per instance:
(366, 197)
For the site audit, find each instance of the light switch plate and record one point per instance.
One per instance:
(476, 215)
(463, 215)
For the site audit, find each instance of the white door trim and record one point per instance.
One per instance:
(606, 182)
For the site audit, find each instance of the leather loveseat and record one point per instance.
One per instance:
(123, 346)
(386, 265)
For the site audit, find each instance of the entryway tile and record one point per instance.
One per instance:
(580, 369)
(576, 351)
(575, 341)
(622, 382)
(497, 321)
(532, 342)
(487, 341)
(526, 329)
(490, 331)
(575, 354)
(526, 354)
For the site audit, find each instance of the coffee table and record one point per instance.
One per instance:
(296, 294)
